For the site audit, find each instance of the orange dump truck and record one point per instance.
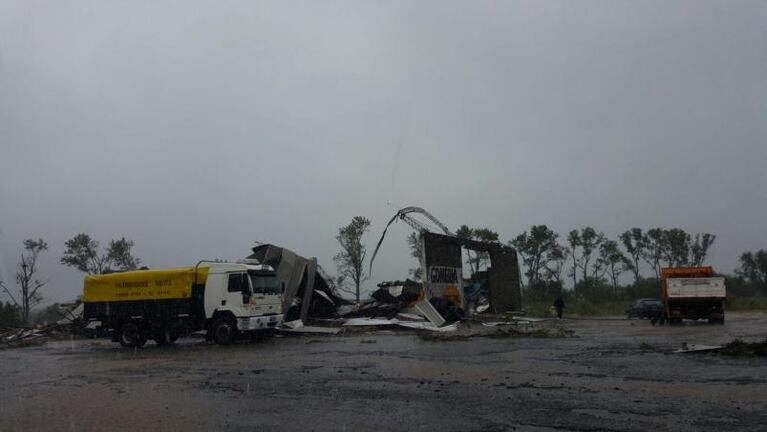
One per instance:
(693, 293)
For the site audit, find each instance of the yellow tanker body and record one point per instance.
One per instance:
(141, 285)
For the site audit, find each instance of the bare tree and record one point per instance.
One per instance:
(350, 259)
(81, 252)
(29, 285)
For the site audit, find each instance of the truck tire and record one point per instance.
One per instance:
(224, 331)
(163, 336)
(130, 336)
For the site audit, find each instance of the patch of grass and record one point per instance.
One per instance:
(645, 347)
(738, 348)
(746, 303)
(580, 308)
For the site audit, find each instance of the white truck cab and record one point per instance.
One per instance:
(241, 298)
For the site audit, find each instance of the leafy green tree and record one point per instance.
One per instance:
(574, 240)
(583, 244)
(477, 259)
(536, 248)
(699, 248)
(614, 261)
(634, 241)
(556, 259)
(119, 255)
(590, 242)
(655, 241)
(753, 268)
(676, 247)
(82, 253)
(415, 243)
(349, 260)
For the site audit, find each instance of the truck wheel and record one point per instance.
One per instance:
(224, 331)
(162, 336)
(130, 336)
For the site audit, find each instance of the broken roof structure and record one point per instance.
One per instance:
(303, 281)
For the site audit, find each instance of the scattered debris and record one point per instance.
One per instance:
(692, 348)
(528, 319)
(496, 323)
(425, 308)
(428, 326)
(19, 337)
(364, 322)
(409, 317)
(297, 326)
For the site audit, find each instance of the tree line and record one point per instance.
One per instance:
(585, 261)
(80, 252)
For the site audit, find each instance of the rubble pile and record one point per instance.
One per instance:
(24, 336)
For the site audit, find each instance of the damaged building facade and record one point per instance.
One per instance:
(443, 270)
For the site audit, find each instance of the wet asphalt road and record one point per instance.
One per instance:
(616, 375)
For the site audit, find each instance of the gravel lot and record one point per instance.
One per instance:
(614, 375)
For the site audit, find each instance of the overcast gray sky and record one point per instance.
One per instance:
(195, 128)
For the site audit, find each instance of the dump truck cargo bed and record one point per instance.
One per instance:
(696, 288)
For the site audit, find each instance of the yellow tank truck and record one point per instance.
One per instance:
(226, 300)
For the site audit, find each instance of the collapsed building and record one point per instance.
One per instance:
(441, 297)
(306, 290)
(442, 265)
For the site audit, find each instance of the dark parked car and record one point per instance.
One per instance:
(645, 308)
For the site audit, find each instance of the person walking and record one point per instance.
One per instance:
(559, 305)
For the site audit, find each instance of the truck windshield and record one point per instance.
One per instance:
(265, 284)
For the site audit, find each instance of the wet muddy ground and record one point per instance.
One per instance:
(615, 375)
